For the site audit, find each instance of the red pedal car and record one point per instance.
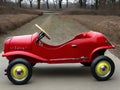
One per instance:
(88, 48)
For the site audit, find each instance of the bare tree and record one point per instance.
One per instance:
(96, 4)
(31, 3)
(67, 3)
(55, 3)
(119, 3)
(1, 1)
(75, 2)
(16, 1)
(113, 3)
(38, 1)
(81, 3)
(60, 4)
(47, 3)
(20, 1)
(84, 1)
(102, 3)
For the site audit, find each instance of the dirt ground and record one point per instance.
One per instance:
(13, 17)
(108, 25)
(12, 21)
(87, 11)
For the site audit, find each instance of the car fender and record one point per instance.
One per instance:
(100, 49)
(23, 53)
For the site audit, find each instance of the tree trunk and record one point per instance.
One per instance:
(4, 0)
(54, 4)
(47, 2)
(39, 1)
(113, 3)
(96, 4)
(84, 3)
(66, 3)
(60, 4)
(20, 3)
(119, 3)
(31, 4)
(1, 1)
(81, 3)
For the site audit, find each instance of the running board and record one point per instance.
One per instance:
(66, 59)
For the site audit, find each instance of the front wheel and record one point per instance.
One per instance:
(19, 71)
(102, 68)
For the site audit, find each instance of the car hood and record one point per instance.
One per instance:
(20, 42)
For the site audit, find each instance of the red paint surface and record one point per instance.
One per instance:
(79, 49)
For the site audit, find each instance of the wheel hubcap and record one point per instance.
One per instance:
(103, 69)
(19, 72)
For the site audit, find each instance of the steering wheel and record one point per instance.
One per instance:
(43, 31)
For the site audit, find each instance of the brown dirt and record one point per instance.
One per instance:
(13, 17)
(108, 25)
(79, 11)
(11, 21)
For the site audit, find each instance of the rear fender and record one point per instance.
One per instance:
(99, 51)
(15, 54)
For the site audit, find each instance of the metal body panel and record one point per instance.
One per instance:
(79, 49)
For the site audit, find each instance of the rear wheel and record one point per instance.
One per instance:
(102, 68)
(19, 71)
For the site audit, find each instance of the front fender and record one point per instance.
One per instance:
(23, 53)
(100, 49)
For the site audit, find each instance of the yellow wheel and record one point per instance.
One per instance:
(19, 71)
(102, 68)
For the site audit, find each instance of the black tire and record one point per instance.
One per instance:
(27, 66)
(106, 63)
(86, 64)
(9, 62)
(33, 64)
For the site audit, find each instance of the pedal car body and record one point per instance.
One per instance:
(84, 48)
